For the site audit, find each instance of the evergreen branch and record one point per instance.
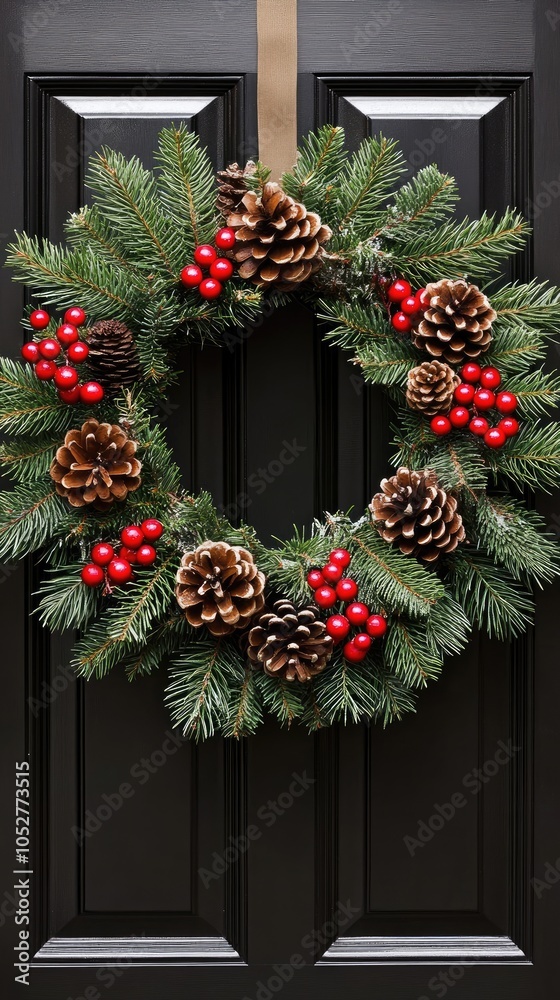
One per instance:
(490, 597)
(427, 199)
(366, 182)
(66, 602)
(186, 186)
(29, 516)
(474, 247)
(198, 695)
(143, 602)
(516, 537)
(244, 710)
(534, 306)
(537, 392)
(532, 457)
(315, 177)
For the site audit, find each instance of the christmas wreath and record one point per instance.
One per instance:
(345, 621)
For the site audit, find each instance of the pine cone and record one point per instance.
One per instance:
(457, 324)
(415, 513)
(289, 643)
(219, 586)
(96, 465)
(112, 358)
(278, 242)
(430, 388)
(232, 186)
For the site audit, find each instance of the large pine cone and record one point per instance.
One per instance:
(232, 186)
(430, 388)
(219, 585)
(278, 240)
(415, 513)
(457, 324)
(113, 358)
(290, 643)
(96, 465)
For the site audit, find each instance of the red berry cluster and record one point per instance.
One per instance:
(405, 303)
(42, 354)
(219, 269)
(475, 396)
(108, 566)
(330, 586)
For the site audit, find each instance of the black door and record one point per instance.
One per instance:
(413, 863)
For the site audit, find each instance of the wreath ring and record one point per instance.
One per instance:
(345, 622)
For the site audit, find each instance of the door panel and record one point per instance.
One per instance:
(147, 881)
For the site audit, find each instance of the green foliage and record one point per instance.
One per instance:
(516, 538)
(66, 602)
(532, 457)
(198, 695)
(186, 186)
(30, 515)
(28, 407)
(366, 182)
(419, 205)
(534, 306)
(476, 247)
(315, 178)
(537, 392)
(489, 595)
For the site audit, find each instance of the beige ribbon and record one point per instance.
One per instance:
(277, 84)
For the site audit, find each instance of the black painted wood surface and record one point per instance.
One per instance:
(309, 823)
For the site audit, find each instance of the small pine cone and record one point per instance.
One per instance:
(289, 642)
(416, 514)
(219, 585)
(232, 186)
(96, 465)
(278, 242)
(457, 324)
(113, 358)
(430, 388)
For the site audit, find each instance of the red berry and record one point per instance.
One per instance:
(495, 437)
(509, 425)
(506, 402)
(152, 529)
(67, 334)
(410, 305)
(459, 416)
(30, 352)
(132, 536)
(102, 553)
(347, 589)
(376, 626)
(119, 571)
(39, 319)
(191, 276)
(146, 555)
(92, 575)
(315, 578)
(221, 269)
(357, 613)
(479, 426)
(464, 393)
(129, 555)
(471, 372)
(399, 290)
(484, 399)
(362, 641)
(45, 370)
(490, 378)
(332, 573)
(325, 596)
(353, 653)
(225, 238)
(341, 557)
(401, 322)
(423, 298)
(205, 255)
(77, 352)
(210, 288)
(70, 396)
(49, 348)
(66, 377)
(91, 392)
(440, 425)
(75, 315)
(338, 627)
